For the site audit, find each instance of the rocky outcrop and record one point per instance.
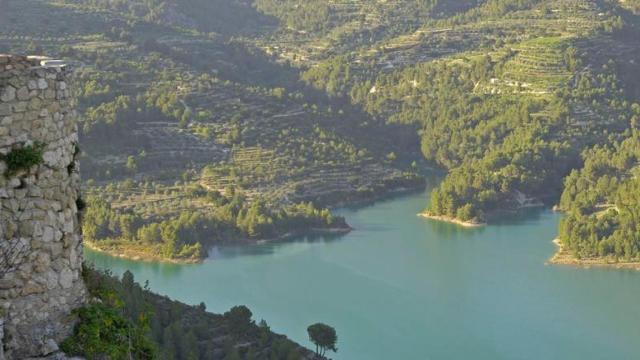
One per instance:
(40, 241)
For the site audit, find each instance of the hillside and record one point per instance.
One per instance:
(511, 97)
(505, 95)
(178, 115)
(126, 319)
(602, 205)
(250, 109)
(205, 123)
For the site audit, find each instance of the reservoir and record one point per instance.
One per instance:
(404, 287)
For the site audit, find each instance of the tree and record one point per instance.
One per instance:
(131, 163)
(324, 337)
(239, 318)
(128, 281)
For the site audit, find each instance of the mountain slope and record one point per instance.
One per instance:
(179, 119)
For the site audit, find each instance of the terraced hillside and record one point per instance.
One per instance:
(535, 67)
(494, 27)
(481, 29)
(176, 120)
(507, 95)
(328, 101)
(314, 30)
(504, 94)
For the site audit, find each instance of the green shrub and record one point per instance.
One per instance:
(103, 332)
(24, 158)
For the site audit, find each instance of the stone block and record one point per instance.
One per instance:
(42, 84)
(31, 288)
(7, 283)
(23, 93)
(8, 94)
(48, 234)
(19, 107)
(5, 109)
(66, 278)
(49, 347)
(35, 104)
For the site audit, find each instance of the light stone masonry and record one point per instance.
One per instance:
(41, 285)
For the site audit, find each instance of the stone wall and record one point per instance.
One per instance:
(40, 241)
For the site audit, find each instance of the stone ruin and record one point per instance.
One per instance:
(40, 242)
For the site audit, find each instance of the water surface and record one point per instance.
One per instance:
(404, 287)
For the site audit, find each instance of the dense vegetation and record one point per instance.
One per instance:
(508, 117)
(127, 321)
(541, 145)
(207, 219)
(232, 17)
(602, 200)
(517, 104)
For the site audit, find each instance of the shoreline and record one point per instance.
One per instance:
(368, 200)
(451, 220)
(130, 254)
(149, 256)
(564, 258)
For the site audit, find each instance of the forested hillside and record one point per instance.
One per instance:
(188, 125)
(521, 101)
(238, 113)
(127, 321)
(231, 17)
(508, 106)
(602, 200)
(505, 95)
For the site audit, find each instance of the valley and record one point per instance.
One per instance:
(252, 122)
(398, 169)
(181, 121)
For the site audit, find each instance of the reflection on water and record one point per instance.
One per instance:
(522, 216)
(445, 230)
(266, 247)
(158, 269)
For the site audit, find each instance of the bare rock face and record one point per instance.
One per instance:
(40, 241)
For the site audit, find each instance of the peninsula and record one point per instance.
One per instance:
(565, 257)
(453, 220)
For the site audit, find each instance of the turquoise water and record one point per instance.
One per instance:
(404, 287)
